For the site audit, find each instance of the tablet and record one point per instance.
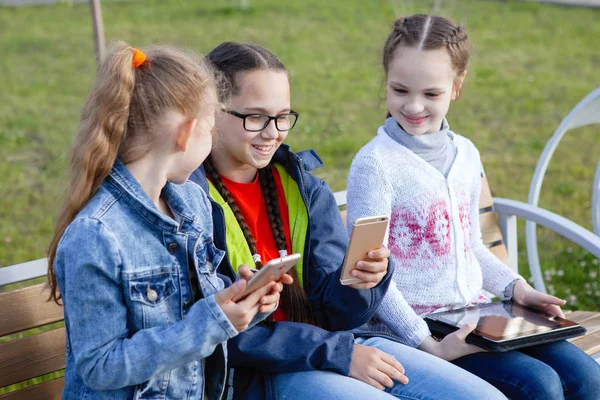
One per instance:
(504, 325)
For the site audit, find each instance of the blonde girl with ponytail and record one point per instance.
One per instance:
(132, 258)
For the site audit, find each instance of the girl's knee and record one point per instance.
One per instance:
(542, 383)
(585, 384)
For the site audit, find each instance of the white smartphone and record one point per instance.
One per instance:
(271, 271)
(367, 234)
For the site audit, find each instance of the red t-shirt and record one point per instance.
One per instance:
(251, 202)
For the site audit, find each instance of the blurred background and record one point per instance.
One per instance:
(532, 63)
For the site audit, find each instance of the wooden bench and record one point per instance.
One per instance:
(26, 354)
(42, 353)
(32, 337)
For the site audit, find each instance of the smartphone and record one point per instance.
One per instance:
(367, 234)
(271, 271)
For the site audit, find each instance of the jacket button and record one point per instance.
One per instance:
(152, 295)
(187, 304)
(173, 247)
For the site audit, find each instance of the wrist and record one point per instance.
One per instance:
(519, 290)
(432, 346)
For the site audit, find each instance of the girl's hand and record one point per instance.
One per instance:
(240, 314)
(452, 346)
(371, 272)
(526, 295)
(375, 367)
(269, 301)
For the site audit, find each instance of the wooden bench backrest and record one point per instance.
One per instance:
(30, 355)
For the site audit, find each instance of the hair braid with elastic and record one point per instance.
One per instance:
(224, 192)
(295, 302)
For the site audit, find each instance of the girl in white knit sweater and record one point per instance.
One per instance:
(428, 180)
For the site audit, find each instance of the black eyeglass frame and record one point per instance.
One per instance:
(271, 117)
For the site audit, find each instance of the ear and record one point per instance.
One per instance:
(185, 132)
(458, 85)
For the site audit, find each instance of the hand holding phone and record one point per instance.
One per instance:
(367, 235)
(271, 271)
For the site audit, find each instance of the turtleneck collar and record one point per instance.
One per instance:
(437, 148)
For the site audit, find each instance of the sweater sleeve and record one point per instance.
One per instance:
(370, 193)
(496, 275)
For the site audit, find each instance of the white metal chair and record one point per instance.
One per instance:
(587, 112)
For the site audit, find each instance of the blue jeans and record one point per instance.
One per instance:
(556, 370)
(430, 378)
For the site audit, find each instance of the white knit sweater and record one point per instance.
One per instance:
(434, 234)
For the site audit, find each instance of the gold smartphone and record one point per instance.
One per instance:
(271, 271)
(367, 234)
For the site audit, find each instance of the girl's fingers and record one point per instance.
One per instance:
(254, 297)
(287, 279)
(463, 332)
(375, 383)
(375, 267)
(383, 378)
(391, 360)
(245, 272)
(379, 254)
(270, 298)
(278, 288)
(265, 309)
(554, 310)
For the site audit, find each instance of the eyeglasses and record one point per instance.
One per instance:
(258, 122)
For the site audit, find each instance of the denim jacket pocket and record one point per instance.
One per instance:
(153, 296)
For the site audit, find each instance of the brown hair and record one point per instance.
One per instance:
(231, 60)
(118, 118)
(294, 301)
(429, 32)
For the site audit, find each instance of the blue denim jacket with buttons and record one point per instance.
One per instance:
(123, 269)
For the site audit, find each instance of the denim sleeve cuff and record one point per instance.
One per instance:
(259, 317)
(220, 316)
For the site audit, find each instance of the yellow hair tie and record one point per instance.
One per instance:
(138, 58)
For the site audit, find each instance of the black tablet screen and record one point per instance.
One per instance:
(502, 320)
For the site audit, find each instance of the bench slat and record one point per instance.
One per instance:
(24, 271)
(592, 324)
(50, 390)
(580, 316)
(27, 308)
(588, 343)
(32, 356)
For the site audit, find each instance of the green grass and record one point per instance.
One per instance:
(532, 63)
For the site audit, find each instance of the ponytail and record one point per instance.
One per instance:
(102, 129)
(132, 93)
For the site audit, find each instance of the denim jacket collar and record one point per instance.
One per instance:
(121, 177)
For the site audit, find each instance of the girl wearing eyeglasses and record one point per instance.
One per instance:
(267, 204)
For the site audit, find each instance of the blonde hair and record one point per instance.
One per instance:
(124, 105)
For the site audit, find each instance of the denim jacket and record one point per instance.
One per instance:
(258, 352)
(123, 269)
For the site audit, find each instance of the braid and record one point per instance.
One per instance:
(267, 184)
(224, 192)
(294, 301)
(457, 36)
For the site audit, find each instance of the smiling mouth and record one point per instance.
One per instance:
(263, 150)
(414, 120)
